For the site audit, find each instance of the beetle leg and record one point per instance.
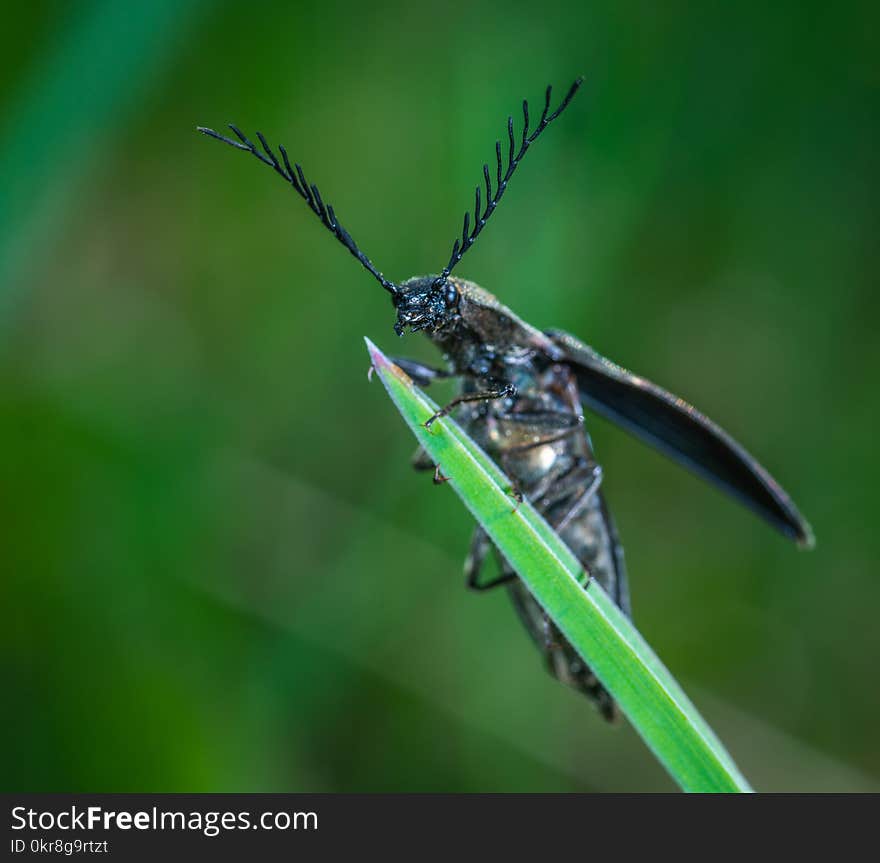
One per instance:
(420, 373)
(507, 391)
(552, 420)
(420, 460)
(583, 500)
(549, 643)
(569, 424)
(516, 493)
(556, 487)
(480, 546)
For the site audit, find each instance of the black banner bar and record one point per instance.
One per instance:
(327, 826)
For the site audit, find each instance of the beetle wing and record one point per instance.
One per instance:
(680, 431)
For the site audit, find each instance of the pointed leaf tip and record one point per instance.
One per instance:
(384, 366)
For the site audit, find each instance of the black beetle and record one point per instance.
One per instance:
(522, 398)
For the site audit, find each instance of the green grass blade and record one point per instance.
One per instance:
(654, 703)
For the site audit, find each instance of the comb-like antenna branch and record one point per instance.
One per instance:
(502, 175)
(307, 191)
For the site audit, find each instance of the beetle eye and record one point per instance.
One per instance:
(451, 296)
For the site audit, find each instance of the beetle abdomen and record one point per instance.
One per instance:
(539, 441)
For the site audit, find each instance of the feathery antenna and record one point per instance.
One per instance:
(468, 235)
(307, 191)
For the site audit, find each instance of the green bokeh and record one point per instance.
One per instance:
(219, 572)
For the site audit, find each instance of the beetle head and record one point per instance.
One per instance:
(425, 303)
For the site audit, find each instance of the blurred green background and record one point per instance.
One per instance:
(219, 572)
